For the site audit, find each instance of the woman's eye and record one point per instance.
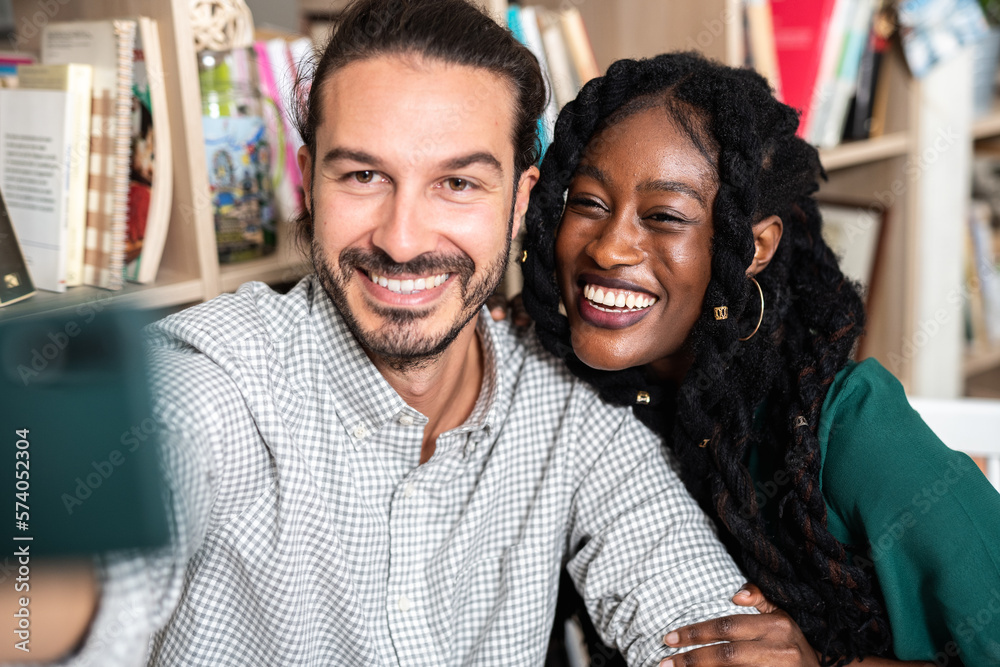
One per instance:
(458, 184)
(585, 203)
(364, 176)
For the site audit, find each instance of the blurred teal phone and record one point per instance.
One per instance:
(79, 466)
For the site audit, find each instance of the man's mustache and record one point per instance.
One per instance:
(378, 261)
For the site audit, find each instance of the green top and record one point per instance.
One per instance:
(929, 514)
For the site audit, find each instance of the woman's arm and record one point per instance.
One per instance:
(772, 638)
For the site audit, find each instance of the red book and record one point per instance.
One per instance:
(800, 29)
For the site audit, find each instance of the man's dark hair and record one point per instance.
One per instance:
(452, 31)
(766, 393)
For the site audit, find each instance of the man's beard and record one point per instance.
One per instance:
(399, 341)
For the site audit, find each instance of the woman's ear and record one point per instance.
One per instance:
(766, 237)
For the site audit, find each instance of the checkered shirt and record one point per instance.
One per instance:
(305, 531)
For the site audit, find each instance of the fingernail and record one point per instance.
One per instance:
(667, 663)
(673, 638)
(743, 594)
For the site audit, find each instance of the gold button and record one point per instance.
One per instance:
(642, 398)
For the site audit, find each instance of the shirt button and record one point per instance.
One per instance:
(360, 431)
(406, 420)
(472, 446)
(404, 603)
(409, 490)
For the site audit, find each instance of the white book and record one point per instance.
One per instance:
(846, 84)
(826, 78)
(77, 80)
(35, 155)
(533, 40)
(152, 167)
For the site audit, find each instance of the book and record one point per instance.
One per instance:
(36, 146)
(526, 20)
(107, 46)
(76, 79)
(760, 38)
(151, 162)
(859, 118)
(985, 266)
(830, 132)
(826, 76)
(276, 68)
(580, 48)
(800, 29)
(561, 70)
(15, 280)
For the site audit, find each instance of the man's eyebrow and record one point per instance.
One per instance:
(672, 186)
(335, 154)
(482, 157)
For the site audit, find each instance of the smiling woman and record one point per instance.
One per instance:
(674, 220)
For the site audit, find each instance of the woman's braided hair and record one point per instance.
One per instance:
(765, 393)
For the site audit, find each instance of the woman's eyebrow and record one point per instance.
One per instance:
(593, 172)
(672, 186)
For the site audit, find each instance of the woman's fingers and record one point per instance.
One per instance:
(726, 629)
(751, 596)
(497, 305)
(748, 654)
(518, 311)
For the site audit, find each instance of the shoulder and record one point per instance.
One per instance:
(253, 311)
(199, 357)
(875, 446)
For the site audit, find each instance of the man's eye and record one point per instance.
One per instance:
(364, 176)
(458, 184)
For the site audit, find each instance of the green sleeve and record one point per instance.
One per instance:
(929, 515)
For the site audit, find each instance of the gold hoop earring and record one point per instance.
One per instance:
(759, 319)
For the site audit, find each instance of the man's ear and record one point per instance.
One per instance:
(766, 237)
(305, 166)
(524, 185)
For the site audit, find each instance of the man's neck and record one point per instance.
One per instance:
(444, 389)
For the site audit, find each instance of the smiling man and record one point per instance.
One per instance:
(369, 471)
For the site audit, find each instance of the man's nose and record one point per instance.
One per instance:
(406, 229)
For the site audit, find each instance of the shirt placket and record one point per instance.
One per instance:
(408, 599)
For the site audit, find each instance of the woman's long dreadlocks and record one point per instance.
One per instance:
(813, 318)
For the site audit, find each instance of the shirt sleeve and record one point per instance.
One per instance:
(141, 590)
(644, 557)
(930, 516)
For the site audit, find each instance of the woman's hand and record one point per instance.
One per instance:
(499, 306)
(771, 638)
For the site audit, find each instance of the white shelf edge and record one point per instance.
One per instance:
(853, 153)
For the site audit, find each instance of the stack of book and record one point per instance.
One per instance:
(85, 162)
(823, 59)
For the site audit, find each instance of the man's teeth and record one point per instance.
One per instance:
(409, 286)
(616, 298)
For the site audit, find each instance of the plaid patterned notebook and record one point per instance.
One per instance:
(108, 46)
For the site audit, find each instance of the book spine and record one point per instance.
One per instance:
(125, 33)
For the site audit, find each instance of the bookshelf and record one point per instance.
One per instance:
(189, 271)
(923, 188)
(921, 256)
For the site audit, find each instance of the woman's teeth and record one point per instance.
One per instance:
(408, 286)
(604, 300)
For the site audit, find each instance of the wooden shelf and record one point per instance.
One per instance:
(272, 269)
(853, 153)
(988, 125)
(981, 359)
(159, 295)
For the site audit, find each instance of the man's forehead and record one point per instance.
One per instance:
(439, 106)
